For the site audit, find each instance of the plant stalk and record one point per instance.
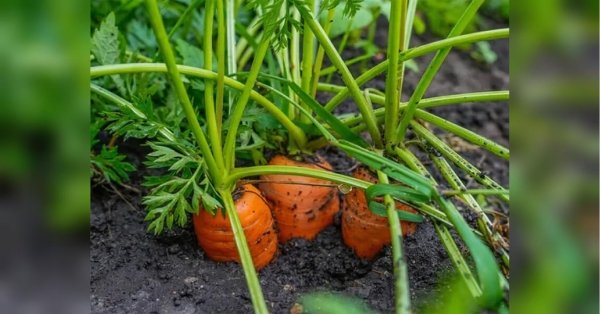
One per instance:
(308, 47)
(483, 222)
(212, 122)
(295, 56)
(169, 57)
(338, 62)
(231, 44)
(457, 259)
(393, 82)
(221, 67)
(458, 160)
(258, 300)
(238, 111)
(402, 297)
(432, 69)
(239, 173)
(466, 134)
(417, 52)
(441, 225)
(321, 54)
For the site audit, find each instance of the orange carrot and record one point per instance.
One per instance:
(215, 235)
(362, 230)
(301, 210)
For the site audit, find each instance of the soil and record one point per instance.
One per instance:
(137, 272)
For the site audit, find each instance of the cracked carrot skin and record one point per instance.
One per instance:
(300, 210)
(366, 233)
(215, 235)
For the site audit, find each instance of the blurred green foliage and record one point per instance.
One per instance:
(442, 15)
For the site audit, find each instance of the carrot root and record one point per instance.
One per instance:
(215, 235)
(300, 210)
(363, 231)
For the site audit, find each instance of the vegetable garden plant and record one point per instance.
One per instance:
(253, 87)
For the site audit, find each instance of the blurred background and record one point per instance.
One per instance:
(554, 165)
(44, 165)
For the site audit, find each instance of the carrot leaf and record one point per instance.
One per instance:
(381, 210)
(180, 190)
(400, 193)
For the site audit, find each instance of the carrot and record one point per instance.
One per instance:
(362, 230)
(215, 235)
(301, 210)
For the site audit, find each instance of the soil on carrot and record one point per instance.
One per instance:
(137, 272)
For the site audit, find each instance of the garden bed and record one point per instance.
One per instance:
(136, 272)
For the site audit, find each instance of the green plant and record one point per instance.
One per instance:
(107, 165)
(211, 113)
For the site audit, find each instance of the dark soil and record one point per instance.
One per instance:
(136, 272)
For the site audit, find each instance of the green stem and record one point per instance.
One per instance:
(428, 102)
(425, 103)
(464, 98)
(402, 298)
(295, 55)
(283, 58)
(417, 52)
(336, 59)
(331, 69)
(393, 82)
(308, 45)
(256, 294)
(221, 67)
(239, 173)
(238, 112)
(432, 69)
(485, 263)
(342, 46)
(441, 224)
(483, 222)
(321, 54)
(295, 132)
(468, 135)
(413, 162)
(458, 160)
(169, 57)
(457, 259)
(473, 192)
(212, 122)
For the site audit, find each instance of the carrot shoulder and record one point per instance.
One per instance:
(302, 209)
(215, 236)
